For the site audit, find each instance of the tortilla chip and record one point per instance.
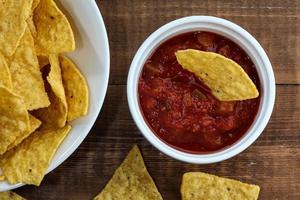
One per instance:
(13, 16)
(227, 80)
(10, 196)
(29, 21)
(201, 186)
(14, 120)
(34, 124)
(54, 32)
(31, 26)
(5, 76)
(55, 78)
(26, 76)
(54, 116)
(77, 92)
(28, 162)
(2, 178)
(131, 181)
(43, 61)
(35, 4)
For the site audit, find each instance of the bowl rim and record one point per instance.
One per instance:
(230, 30)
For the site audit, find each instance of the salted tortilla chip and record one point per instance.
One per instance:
(76, 89)
(43, 61)
(10, 196)
(14, 119)
(54, 116)
(5, 76)
(54, 32)
(26, 76)
(227, 79)
(13, 16)
(29, 21)
(55, 78)
(28, 162)
(201, 186)
(131, 181)
(31, 26)
(34, 124)
(35, 4)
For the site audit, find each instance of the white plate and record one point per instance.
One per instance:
(92, 57)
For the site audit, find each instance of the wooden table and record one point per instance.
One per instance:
(273, 161)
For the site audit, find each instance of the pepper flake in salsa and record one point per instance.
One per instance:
(181, 110)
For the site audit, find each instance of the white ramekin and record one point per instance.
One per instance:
(236, 34)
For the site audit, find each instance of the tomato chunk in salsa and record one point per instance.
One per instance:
(181, 110)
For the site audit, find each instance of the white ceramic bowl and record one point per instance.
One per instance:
(234, 33)
(92, 57)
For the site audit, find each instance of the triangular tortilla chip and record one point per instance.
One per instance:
(28, 162)
(26, 76)
(10, 196)
(35, 4)
(201, 186)
(227, 80)
(54, 116)
(5, 76)
(131, 181)
(34, 124)
(31, 26)
(54, 32)
(13, 16)
(77, 92)
(29, 21)
(14, 119)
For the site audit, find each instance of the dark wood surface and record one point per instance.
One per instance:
(273, 161)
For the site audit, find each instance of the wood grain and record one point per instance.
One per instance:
(275, 24)
(273, 161)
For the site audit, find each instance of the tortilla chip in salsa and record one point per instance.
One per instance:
(227, 79)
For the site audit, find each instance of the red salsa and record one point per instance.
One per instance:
(181, 110)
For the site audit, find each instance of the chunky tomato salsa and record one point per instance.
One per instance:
(181, 110)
